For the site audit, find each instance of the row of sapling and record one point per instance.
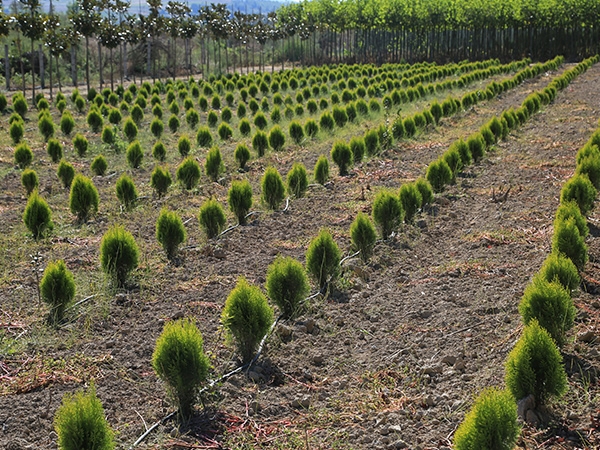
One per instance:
(534, 367)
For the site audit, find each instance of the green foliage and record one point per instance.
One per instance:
(225, 131)
(173, 123)
(425, 190)
(590, 166)
(99, 165)
(410, 128)
(487, 135)
(20, 104)
(80, 423)
(311, 128)
(454, 161)
(260, 143)
(157, 127)
(439, 174)
(114, 116)
(184, 145)
(491, 424)
(204, 137)
(371, 139)
(357, 145)
(287, 285)
(170, 232)
(411, 199)
(16, 131)
(214, 164)
(108, 135)
(80, 144)
(188, 173)
(84, 198)
(580, 189)
(534, 366)
(296, 132)
(245, 127)
(67, 123)
(387, 212)
(363, 236)
(276, 138)
(23, 155)
(297, 180)
(273, 189)
(463, 150)
(159, 151)
(160, 180)
(571, 209)
(239, 199)
(130, 129)
(95, 120)
(137, 114)
(323, 258)
(321, 170)
(568, 240)
(476, 145)
(57, 289)
(29, 180)
(65, 173)
(561, 269)
(260, 121)
(126, 191)
(54, 149)
(37, 216)
(118, 254)
(247, 317)
(212, 218)
(211, 119)
(241, 155)
(436, 111)
(179, 361)
(134, 154)
(326, 122)
(550, 304)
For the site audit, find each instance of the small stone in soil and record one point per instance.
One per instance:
(586, 336)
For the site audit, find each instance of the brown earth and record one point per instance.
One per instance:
(392, 358)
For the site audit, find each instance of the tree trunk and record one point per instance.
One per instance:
(112, 83)
(32, 73)
(74, 67)
(87, 62)
(6, 67)
(100, 64)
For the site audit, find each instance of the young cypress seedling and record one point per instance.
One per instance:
(37, 216)
(170, 232)
(99, 165)
(160, 180)
(118, 254)
(363, 236)
(439, 174)
(297, 180)
(84, 198)
(23, 155)
(239, 199)
(321, 170)
(65, 173)
(212, 218)
(80, 144)
(287, 285)
(57, 289)
(387, 212)
(273, 189)
(29, 180)
(341, 154)
(126, 191)
(241, 155)
(568, 241)
(323, 258)
(411, 200)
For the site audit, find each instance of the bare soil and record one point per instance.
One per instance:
(394, 355)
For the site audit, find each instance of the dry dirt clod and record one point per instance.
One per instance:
(586, 336)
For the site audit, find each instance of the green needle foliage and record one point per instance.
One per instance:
(212, 218)
(130, 129)
(297, 180)
(29, 180)
(534, 366)
(580, 189)
(99, 165)
(287, 285)
(476, 145)
(188, 173)
(16, 131)
(260, 143)
(46, 126)
(160, 180)
(179, 361)
(204, 137)
(341, 154)
(84, 198)
(439, 174)
(170, 232)
(426, 191)
(247, 317)
(242, 155)
(55, 150)
(568, 241)
(491, 424)
(323, 258)
(95, 120)
(118, 254)
(454, 161)
(80, 144)
(126, 191)
(296, 132)
(363, 236)
(57, 289)
(276, 138)
(551, 305)
(159, 151)
(37, 216)
(214, 164)
(23, 155)
(568, 210)
(239, 199)
(411, 200)
(80, 423)
(387, 212)
(65, 173)
(561, 269)
(321, 170)
(273, 189)
(134, 155)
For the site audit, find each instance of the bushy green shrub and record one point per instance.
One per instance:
(37, 216)
(321, 170)
(114, 116)
(297, 180)
(551, 305)
(65, 173)
(463, 150)
(371, 139)
(561, 269)
(273, 189)
(95, 121)
(488, 136)
(184, 145)
(425, 190)
(118, 254)
(387, 212)
(192, 118)
(160, 180)
(211, 119)
(311, 128)
(476, 145)
(159, 151)
(326, 122)
(188, 173)
(568, 240)
(173, 123)
(212, 218)
(436, 111)
(67, 123)
(245, 127)
(454, 161)
(260, 121)
(130, 129)
(80, 144)
(276, 138)
(580, 189)
(99, 165)
(341, 154)
(179, 361)
(84, 198)
(126, 191)
(357, 145)
(20, 104)
(108, 135)
(491, 423)
(410, 128)
(287, 285)
(225, 131)
(134, 155)
(571, 209)
(16, 131)
(170, 232)
(588, 150)
(23, 155)
(57, 289)
(439, 174)
(296, 132)
(260, 143)
(137, 114)
(214, 164)
(363, 236)
(29, 180)
(54, 150)
(323, 258)
(157, 127)
(239, 199)
(534, 366)
(80, 423)
(247, 317)
(411, 200)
